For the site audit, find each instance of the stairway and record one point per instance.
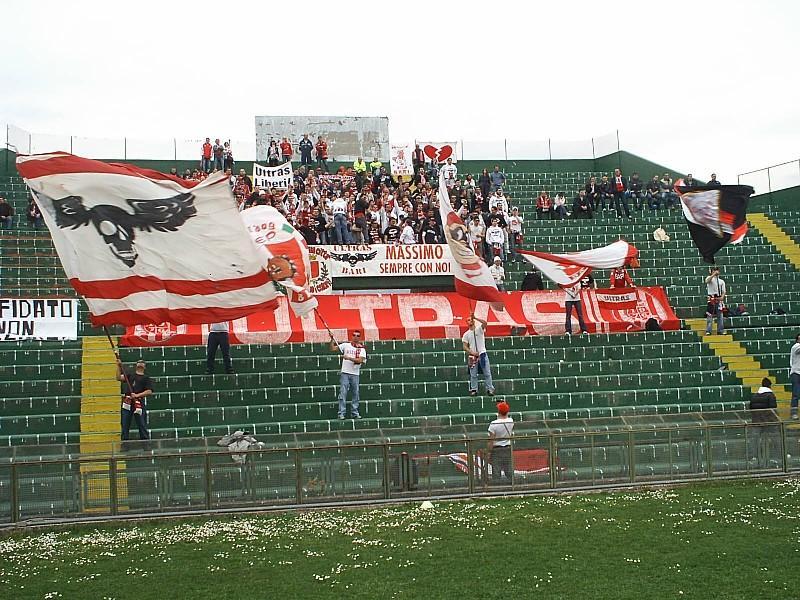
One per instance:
(777, 237)
(100, 423)
(735, 358)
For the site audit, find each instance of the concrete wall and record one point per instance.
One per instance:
(347, 137)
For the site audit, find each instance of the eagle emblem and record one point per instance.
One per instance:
(118, 227)
(353, 258)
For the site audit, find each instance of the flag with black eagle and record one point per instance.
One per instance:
(716, 215)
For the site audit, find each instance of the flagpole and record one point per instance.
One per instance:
(119, 361)
(326, 325)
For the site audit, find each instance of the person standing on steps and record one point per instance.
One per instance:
(134, 399)
(572, 301)
(353, 356)
(500, 432)
(218, 338)
(474, 343)
(717, 293)
(794, 374)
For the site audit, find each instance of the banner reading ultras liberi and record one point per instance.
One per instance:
(426, 316)
(385, 260)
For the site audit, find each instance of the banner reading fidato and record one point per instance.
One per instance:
(384, 260)
(26, 319)
(280, 176)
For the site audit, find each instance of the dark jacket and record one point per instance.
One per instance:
(761, 401)
(532, 281)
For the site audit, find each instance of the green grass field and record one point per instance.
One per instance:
(709, 540)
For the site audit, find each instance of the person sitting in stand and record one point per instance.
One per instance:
(560, 206)
(636, 191)
(544, 204)
(654, 193)
(606, 194)
(581, 206)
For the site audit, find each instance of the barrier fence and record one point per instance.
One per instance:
(180, 476)
(125, 148)
(774, 178)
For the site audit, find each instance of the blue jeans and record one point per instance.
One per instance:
(218, 163)
(654, 200)
(569, 305)
(342, 234)
(638, 199)
(7, 222)
(720, 324)
(205, 164)
(141, 422)
(483, 363)
(347, 383)
(621, 199)
(795, 379)
(670, 199)
(218, 339)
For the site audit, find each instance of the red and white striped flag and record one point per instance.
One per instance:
(285, 254)
(568, 269)
(143, 247)
(472, 276)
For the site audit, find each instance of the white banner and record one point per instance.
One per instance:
(401, 158)
(24, 319)
(278, 177)
(381, 260)
(440, 151)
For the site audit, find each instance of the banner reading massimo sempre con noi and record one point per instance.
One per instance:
(33, 319)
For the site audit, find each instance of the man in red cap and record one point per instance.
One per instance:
(500, 432)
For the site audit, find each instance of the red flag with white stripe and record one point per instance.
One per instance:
(472, 276)
(568, 269)
(143, 247)
(285, 254)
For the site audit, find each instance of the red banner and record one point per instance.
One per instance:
(418, 316)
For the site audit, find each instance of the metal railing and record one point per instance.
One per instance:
(178, 479)
(773, 178)
(173, 149)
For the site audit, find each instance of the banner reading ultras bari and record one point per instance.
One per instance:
(38, 319)
(280, 176)
(427, 316)
(383, 260)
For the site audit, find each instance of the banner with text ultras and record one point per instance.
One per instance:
(385, 260)
(52, 319)
(424, 316)
(279, 177)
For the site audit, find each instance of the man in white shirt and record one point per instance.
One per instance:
(794, 374)
(717, 294)
(498, 273)
(497, 199)
(218, 338)
(353, 356)
(496, 239)
(477, 232)
(474, 342)
(514, 232)
(408, 235)
(500, 432)
(341, 233)
(449, 172)
(572, 301)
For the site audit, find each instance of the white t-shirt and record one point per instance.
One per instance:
(495, 235)
(407, 236)
(502, 429)
(794, 359)
(498, 273)
(349, 352)
(716, 287)
(475, 339)
(572, 294)
(515, 223)
(219, 327)
(339, 206)
(476, 232)
(449, 171)
(500, 202)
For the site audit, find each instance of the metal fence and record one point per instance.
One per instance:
(167, 479)
(774, 178)
(125, 148)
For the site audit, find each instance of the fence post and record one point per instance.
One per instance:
(175, 149)
(552, 460)
(505, 147)
(71, 151)
(207, 465)
(387, 484)
(470, 467)
(709, 456)
(30, 143)
(462, 149)
(112, 485)
(631, 457)
(783, 449)
(298, 469)
(125, 148)
(14, 493)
